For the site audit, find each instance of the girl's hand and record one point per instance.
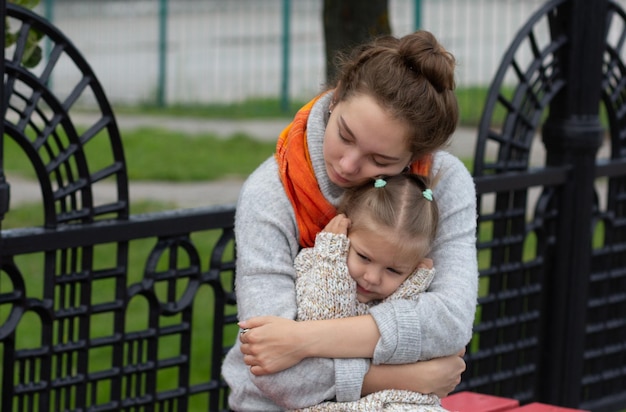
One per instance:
(271, 344)
(439, 376)
(426, 263)
(338, 225)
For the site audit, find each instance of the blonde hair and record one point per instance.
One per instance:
(403, 204)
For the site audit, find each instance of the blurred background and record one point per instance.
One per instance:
(237, 68)
(195, 52)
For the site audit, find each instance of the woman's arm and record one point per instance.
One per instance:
(354, 337)
(439, 376)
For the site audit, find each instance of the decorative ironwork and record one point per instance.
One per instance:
(40, 121)
(521, 219)
(604, 339)
(146, 329)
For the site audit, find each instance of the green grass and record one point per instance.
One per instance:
(157, 154)
(166, 155)
(248, 109)
(471, 101)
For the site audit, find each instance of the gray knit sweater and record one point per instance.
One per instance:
(437, 324)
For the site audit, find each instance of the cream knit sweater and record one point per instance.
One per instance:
(325, 290)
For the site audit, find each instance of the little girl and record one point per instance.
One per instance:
(374, 250)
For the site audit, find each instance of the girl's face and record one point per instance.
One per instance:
(377, 265)
(363, 141)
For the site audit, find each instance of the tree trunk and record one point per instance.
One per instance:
(348, 23)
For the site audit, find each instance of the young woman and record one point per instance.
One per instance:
(393, 109)
(375, 250)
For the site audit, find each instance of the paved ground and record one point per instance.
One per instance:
(183, 195)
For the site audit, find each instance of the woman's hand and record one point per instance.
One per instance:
(445, 373)
(439, 376)
(271, 344)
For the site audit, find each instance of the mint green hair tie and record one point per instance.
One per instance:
(428, 194)
(378, 183)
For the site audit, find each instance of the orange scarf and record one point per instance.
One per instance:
(311, 208)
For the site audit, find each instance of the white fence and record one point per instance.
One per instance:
(231, 50)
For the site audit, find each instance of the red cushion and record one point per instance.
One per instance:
(477, 402)
(542, 407)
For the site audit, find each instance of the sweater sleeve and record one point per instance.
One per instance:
(439, 322)
(415, 284)
(267, 245)
(324, 288)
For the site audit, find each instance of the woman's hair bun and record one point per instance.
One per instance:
(423, 55)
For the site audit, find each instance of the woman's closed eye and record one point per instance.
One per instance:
(344, 139)
(380, 163)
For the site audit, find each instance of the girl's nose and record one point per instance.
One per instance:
(372, 276)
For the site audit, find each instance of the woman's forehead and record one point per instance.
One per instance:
(372, 126)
